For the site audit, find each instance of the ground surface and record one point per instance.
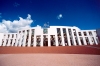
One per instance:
(49, 60)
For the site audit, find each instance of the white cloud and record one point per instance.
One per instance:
(7, 26)
(59, 16)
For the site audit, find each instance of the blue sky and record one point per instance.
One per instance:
(84, 14)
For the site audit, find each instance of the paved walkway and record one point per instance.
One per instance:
(49, 60)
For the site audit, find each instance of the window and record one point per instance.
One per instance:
(23, 31)
(64, 30)
(8, 36)
(27, 31)
(69, 30)
(85, 34)
(7, 41)
(45, 31)
(90, 33)
(58, 32)
(32, 31)
(79, 33)
(74, 33)
(11, 41)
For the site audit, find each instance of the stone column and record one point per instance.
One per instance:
(84, 40)
(29, 38)
(24, 42)
(34, 40)
(94, 36)
(9, 40)
(63, 43)
(78, 38)
(13, 40)
(41, 40)
(89, 38)
(17, 37)
(56, 39)
(20, 42)
(49, 44)
(68, 37)
(73, 37)
(4, 44)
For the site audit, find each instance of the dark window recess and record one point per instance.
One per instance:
(7, 41)
(32, 31)
(69, 30)
(74, 33)
(11, 42)
(64, 30)
(90, 33)
(58, 30)
(27, 32)
(23, 31)
(79, 33)
(8, 36)
(85, 34)
(2, 42)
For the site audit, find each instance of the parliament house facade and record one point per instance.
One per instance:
(52, 36)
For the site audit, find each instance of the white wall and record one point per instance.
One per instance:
(1, 37)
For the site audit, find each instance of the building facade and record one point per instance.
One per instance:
(52, 36)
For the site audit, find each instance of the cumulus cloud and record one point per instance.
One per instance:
(59, 16)
(7, 26)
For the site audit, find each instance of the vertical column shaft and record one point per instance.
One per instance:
(78, 38)
(56, 38)
(63, 43)
(41, 40)
(94, 36)
(20, 42)
(68, 37)
(29, 39)
(24, 43)
(89, 38)
(49, 44)
(83, 38)
(73, 37)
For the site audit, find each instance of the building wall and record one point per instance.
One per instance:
(55, 36)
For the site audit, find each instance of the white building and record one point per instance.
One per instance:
(52, 36)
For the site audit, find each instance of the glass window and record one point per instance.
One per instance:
(45, 31)
(69, 30)
(85, 34)
(79, 33)
(90, 33)
(32, 31)
(64, 30)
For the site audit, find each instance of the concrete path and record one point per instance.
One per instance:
(49, 60)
